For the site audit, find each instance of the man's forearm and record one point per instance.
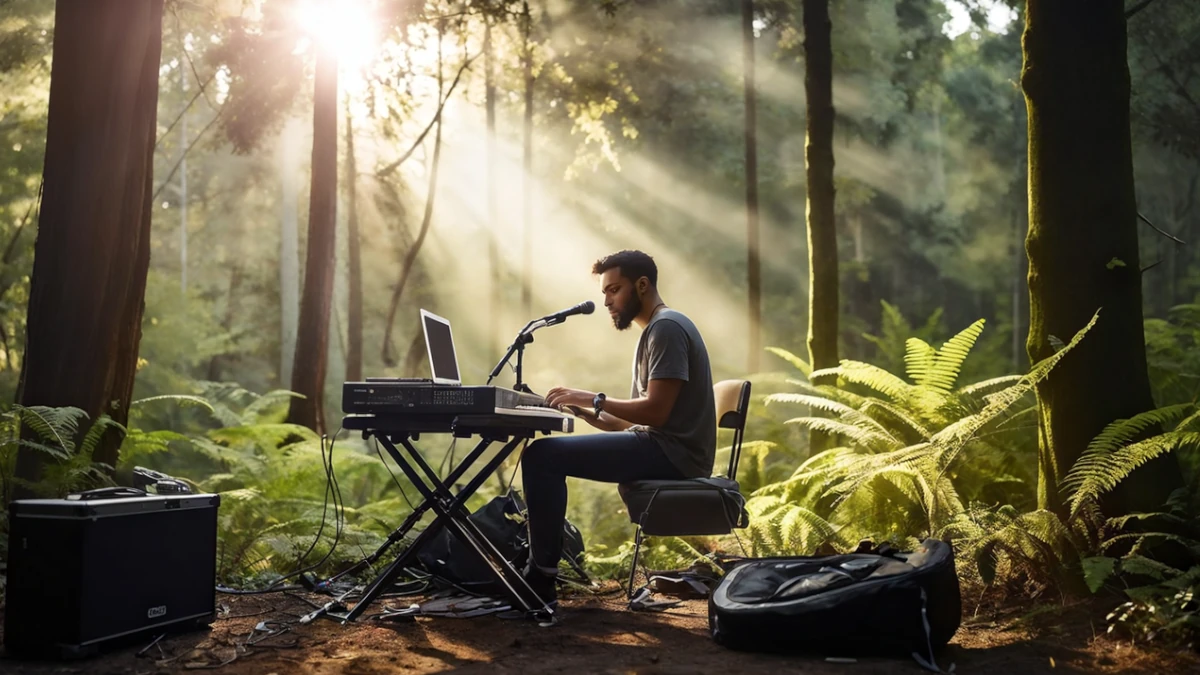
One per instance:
(609, 422)
(634, 411)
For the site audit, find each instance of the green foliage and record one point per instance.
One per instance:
(1173, 355)
(1170, 616)
(1126, 444)
(919, 456)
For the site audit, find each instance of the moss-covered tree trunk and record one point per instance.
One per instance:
(1082, 242)
(84, 320)
(818, 153)
(312, 336)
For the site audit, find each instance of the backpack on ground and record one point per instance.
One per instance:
(884, 602)
(502, 521)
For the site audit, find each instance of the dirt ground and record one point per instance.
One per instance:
(596, 635)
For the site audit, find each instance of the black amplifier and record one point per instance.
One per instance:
(425, 398)
(85, 572)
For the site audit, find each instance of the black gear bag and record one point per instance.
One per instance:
(879, 603)
(502, 521)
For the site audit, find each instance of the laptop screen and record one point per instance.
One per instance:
(439, 341)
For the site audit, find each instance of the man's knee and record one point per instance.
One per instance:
(539, 454)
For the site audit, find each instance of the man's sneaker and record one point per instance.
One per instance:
(544, 586)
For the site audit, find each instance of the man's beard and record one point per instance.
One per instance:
(625, 317)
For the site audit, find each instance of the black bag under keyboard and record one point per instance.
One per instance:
(502, 521)
(902, 603)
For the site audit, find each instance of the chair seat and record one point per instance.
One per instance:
(690, 507)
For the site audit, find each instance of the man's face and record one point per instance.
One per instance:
(621, 298)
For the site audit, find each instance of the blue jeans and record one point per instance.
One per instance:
(610, 457)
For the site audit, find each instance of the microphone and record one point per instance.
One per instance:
(582, 308)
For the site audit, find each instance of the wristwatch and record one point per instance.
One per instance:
(598, 403)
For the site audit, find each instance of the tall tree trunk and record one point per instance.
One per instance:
(1083, 241)
(354, 311)
(289, 251)
(312, 339)
(494, 306)
(822, 229)
(84, 321)
(753, 274)
(235, 282)
(527, 174)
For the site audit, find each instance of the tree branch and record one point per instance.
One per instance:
(391, 168)
(1168, 235)
(389, 358)
(184, 111)
(179, 161)
(1137, 8)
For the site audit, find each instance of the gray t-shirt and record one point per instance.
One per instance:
(671, 348)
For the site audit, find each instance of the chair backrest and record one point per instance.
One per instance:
(733, 402)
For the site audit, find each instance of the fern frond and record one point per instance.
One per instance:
(830, 392)
(867, 375)
(944, 373)
(840, 410)
(264, 435)
(973, 390)
(253, 412)
(94, 433)
(1041, 369)
(1120, 432)
(57, 424)
(184, 400)
(817, 402)
(1100, 473)
(860, 435)
(919, 359)
(796, 362)
(898, 414)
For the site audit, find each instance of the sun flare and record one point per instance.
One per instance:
(345, 28)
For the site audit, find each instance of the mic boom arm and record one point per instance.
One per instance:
(525, 336)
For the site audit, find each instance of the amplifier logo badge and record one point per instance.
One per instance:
(155, 612)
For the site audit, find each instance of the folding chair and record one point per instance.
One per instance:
(695, 506)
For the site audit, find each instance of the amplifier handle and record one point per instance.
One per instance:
(108, 493)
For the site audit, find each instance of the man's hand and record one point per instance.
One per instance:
(559, 397)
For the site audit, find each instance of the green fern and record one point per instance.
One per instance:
(796, 362)
(938, 370)
(1097, 473)
(873, 377)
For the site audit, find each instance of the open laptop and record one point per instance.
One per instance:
(439, 343)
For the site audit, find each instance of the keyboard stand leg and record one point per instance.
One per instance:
(412, 519)
(451, 510)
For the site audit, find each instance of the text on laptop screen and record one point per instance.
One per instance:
(442, 359)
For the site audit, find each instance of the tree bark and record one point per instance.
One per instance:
(289, 253)
(753, 273)
(822, 231)
(312, 338)
(93, 246)
(354, 310)
(235, 278)
(1082, 242)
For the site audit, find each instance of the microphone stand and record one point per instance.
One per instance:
(524, 337)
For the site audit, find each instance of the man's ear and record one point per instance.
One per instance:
(642, 285)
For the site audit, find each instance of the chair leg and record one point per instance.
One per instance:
(637, 549)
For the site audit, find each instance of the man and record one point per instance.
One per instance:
(667, 429)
